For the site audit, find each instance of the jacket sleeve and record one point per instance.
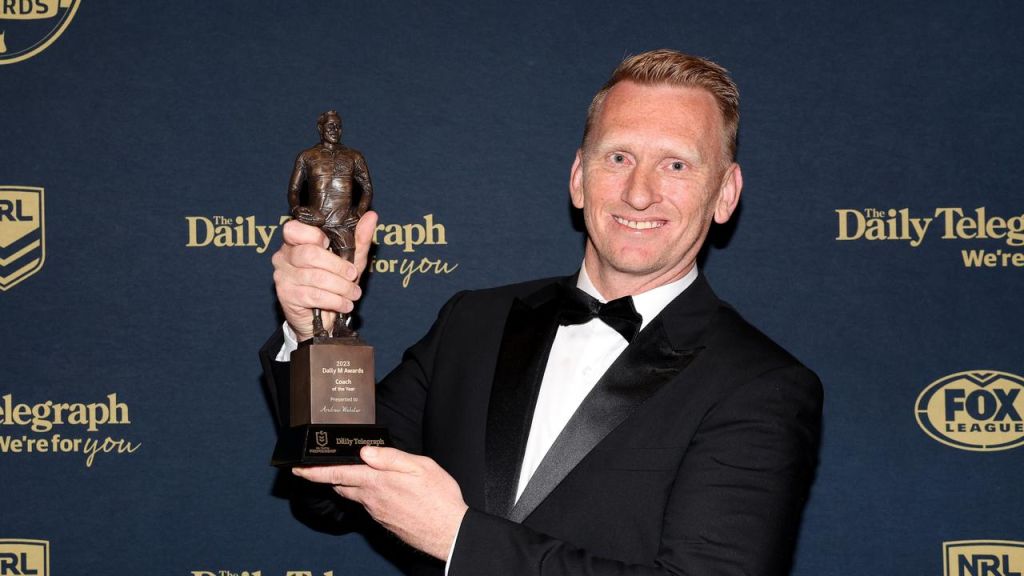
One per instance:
(275, 378)
(734, 507)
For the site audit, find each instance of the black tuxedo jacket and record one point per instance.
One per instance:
(692, 455)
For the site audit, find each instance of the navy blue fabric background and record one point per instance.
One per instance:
(143, 115)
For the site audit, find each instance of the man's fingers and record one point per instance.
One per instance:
(311, 256)
(376, 459)
(297, 233)
(352, 493)
(315, 288)
(324, 281)
(364, 237)
(390, 459)
(350, 475)
(309, 297)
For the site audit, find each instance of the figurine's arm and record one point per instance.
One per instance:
(296, 183)
(361, 174)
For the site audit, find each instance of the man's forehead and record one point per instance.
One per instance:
(632, 98)
(679, 114)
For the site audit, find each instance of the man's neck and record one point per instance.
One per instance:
(613, 284)
(329, 145)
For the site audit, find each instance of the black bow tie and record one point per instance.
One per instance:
(578, 307)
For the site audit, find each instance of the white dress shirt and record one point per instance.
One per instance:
(580, 355)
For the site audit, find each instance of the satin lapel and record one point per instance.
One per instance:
(641, 370)
(526, 343)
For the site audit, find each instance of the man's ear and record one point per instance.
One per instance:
(729, 193)
(576, 180)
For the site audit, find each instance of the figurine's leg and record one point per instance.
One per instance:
(343, 244)
(318, 325)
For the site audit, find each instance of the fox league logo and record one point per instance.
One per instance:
(22, 234)
(27, 27)
(24, 557)
(983, 558)
(980, 410)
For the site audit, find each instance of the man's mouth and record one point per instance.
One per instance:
(639, 224)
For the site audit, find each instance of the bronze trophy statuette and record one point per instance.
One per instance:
(332, 398)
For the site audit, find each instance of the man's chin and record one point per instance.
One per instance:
(632, 264)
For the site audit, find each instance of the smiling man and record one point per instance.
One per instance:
(622, 420)
(652, 173)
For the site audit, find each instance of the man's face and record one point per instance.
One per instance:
(330, 130)
(650, 181)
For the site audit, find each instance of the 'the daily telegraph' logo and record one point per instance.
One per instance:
(24, 557)
(978, 410)
(77, 422)
(983, 558)
(27, 27)
(994, 239)
(22, 234)
(246, 232)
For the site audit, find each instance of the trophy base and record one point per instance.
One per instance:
(325, 444)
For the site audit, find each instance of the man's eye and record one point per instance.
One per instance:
(677, 166)
(618, 158)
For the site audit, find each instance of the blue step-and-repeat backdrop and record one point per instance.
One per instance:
(145, 151)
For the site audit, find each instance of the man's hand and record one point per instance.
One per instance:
(409, 495)
(307, 275)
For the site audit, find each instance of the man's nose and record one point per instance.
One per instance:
(641, 189)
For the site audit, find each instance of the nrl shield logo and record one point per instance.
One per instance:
(22, 235)
(27, 27)
(321, 438)
(983, 557)
(24, 557)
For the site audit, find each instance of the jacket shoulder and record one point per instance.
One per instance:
(748, 355)
(733, 327)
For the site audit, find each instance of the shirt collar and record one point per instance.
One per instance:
(648, 304)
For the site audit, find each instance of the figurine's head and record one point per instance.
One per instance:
(329, 126)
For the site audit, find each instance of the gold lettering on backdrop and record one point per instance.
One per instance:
(30, 9)
(246, 232)
(947, 223)
(228, 232)
(236, 572)
(977, 410)
(409, 236)
(21, 557)
(24, 31)
(22, 234)
(42, 417)
(983, 557)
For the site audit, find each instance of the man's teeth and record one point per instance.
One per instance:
(639, 225)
